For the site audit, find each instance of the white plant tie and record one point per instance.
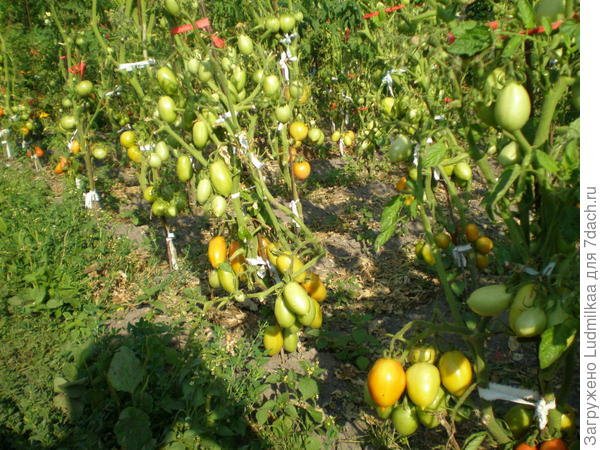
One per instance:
(115, 91)
(525, 397)
(283, 59)
(4, 142)
(342, 147)
(223, 117)
(542, 408)
(436, 174)
(439, 117)
(346, 119)
(496, 391)
(416, 155)
(89, 198)
(234, 195)
(294, 208)
(260, 263)
(546, 271)
(147, 147)
(459, 258)
(287, 39)
(243, 140)
(129, 67)
(255, 161)
(387, 79)
(332, 79)
(280, 126)
(126, 127)
(429, 140)
(170, 236)
(347, 97)
(78, 183)
(13, 118)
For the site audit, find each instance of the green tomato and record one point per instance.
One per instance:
(162, 150)
(154, 160)
(290, 341)
(422, 383)
(99, 151)
(463, 171)
(184, 168)
(172, 7)
(489, 301)
(167, 80)
(227, 279)
(200, 133)
(531, 322)
(404, 418)
(213, 279)
(513, 107)
(285, 318)
(519, 418)
(218, 205)
(150, 194)
(426, 416)
(387, 106)
(84, 88)
(68, 122)
(245, 44)
(509, 155)
(296, 299)
(272, 24)
(220, 177)
(166, 109)
(203, 190)
(283, 113)
(271, 85)
(287, 22)
(400, 149)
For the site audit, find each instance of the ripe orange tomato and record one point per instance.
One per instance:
(238, 261)
(217, 251)
(39, 152)
(61, 166)
(484, 245)
(301, 170)
(386, 381)
(525, 446)
(472, 232)
(554, 444)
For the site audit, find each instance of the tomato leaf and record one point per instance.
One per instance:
(506, 180)
(546, 161)
(125, 371)
(312, 443)
(389, 221)
(471, 38)
(133, 429)
(525, 13)
(432, 155)
(474, 441)
(555, 341)
(262, 415)
(308, 388)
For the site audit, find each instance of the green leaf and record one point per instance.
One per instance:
(315, 414)
(555, 341)
(359, 335)
(525, 13)
(512, 45)
(261, 416)
(546, 161)
(312, 443)
(133, 429)
(291, 411)
(471, 38)
(389, 221)
(125, 371)
(308, 388)
(434, 154)
(362, 362)
(53, 303)
(3, 227)
(474, 441)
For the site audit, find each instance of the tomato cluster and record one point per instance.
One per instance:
(428, 387)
